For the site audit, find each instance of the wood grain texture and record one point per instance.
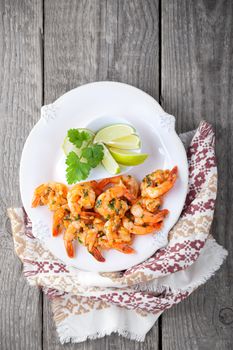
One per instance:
(101, 40)
(88, 41)
(197, 83)
(20, 99)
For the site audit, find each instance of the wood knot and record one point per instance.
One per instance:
(226, 315)
(8, 226)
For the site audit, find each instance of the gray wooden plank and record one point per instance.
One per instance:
(87, 41)
(101, 40)
(20, 100)
(197, 83)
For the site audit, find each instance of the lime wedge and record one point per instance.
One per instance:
(126, 142)
(127, 158)
(113, 132)
(109, 162)
(67, 146)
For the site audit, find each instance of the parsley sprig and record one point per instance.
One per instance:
(77, 137)
(93, 154)
(79, 167)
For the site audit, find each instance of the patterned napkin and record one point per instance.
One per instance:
(92, 305)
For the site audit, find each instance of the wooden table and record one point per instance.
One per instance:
(180, 52)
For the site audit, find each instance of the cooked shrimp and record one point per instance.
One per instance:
(81, 196)
(86, 234)
(53, 194)
(142, 216)
(92, 232)
(91, 235)
(61, 217)
(97, 255)
(110, 219)
(158, 183)
(111, 228)
(124, 235)
(95, 185)
(110, 202)
(150, 204)
(89, 216)
(125, 180)
(122, 247)
(140, 230)
(116, 232)
(70, 235)
(90, 238)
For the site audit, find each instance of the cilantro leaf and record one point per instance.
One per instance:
(76, 170)
(93, 154)
(77, 137)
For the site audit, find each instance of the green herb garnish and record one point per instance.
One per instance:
(79, 167)
(77, 137)
(93, 154)
(111, 204)
(76, 169)
(85, 193)
(98, 203)
(80, 241)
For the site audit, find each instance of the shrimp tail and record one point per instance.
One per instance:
(69, 248)
(173, 174)
(96, 187)
(35, 201)
(55, 232)
(97, 255)
(141, 230)
(129, 196)
(105, 182)
(158, 217)
(89, 215)
(123, 248)
(158, 226)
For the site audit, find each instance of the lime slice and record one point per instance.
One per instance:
(127, 158)
(109, 162)
(126, 142)
(68, 146)
(113, 132)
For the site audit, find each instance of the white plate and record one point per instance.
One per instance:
(96, 105)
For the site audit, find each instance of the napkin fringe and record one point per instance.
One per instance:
(64, 335)
(218, 253)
